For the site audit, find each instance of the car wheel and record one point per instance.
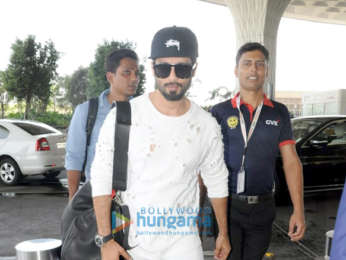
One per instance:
(9, 172)
(52, 175)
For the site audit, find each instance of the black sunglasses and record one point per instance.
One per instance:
(182, 70)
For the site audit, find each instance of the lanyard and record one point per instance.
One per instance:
(243, 127)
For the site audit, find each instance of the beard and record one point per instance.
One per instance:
(173, 95)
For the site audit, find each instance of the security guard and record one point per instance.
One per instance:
(254, 130)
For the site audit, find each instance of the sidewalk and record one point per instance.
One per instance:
(29, 217)
(38, 216)
(33, 216)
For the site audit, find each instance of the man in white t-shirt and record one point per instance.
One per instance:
(171, 140)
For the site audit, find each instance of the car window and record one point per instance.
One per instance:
(302, 127)
(3, 132)
(33, 129)
(334, 134)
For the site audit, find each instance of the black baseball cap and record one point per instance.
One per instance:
(174, 42)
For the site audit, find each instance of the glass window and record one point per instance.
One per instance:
(3, 132)
(302, 127)
(318, 109)
(307, 109)
(335, 134)
(331, 109)
(33, 129)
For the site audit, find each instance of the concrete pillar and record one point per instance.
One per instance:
(258, 20)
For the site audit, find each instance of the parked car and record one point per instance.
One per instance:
(29, 148)
(321, 146)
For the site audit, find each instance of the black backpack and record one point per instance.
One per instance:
(78, 223)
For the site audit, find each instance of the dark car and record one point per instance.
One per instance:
(321, 146)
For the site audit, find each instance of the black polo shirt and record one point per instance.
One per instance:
(273, 130)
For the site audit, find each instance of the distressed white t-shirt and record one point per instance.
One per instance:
(165, 156)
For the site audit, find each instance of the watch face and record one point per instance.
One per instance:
(98, 241)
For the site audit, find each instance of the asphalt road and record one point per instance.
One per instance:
(35, 209)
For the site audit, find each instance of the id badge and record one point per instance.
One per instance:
(241, 180)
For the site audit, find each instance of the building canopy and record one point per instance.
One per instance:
(325, 11)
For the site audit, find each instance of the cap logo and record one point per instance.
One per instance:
(171, 43)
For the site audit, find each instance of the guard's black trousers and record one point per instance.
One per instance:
(250, 227)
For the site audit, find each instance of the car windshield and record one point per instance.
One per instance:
(303, 126)
(33, 129)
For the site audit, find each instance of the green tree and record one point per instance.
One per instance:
(77, 87)
(56, 96)
(49, 57)
(97, 74)
(31, 71)
(3, 95)
(61, 96)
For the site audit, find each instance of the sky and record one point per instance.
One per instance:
(310, 56)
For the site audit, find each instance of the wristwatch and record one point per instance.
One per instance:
(101, 240)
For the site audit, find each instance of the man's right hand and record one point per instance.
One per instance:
(112, 251)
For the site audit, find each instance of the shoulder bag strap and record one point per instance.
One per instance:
(121, 145)
(92, 114)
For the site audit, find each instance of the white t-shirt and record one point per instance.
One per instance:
(165, 156)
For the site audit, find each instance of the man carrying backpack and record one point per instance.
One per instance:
(121, 68)
(171, 141)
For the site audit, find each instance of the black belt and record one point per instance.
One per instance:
(253, 199)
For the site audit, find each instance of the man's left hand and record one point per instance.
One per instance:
(222, 248)
(296, 226)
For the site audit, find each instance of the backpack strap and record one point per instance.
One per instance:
(91, 119)
(121, 145)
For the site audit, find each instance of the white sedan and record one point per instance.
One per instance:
(29, 148)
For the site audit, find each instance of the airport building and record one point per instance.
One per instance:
(331, 102)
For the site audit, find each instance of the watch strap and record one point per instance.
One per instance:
(101, 240)
(105, 239)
